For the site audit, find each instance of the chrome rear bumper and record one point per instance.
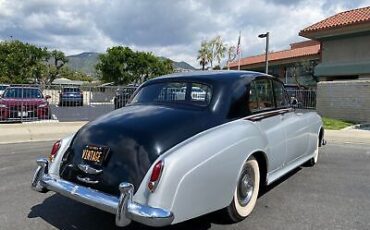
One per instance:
(123, 206)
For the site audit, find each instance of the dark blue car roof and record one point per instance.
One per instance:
(220, 75)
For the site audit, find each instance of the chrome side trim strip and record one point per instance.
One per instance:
(262, 115)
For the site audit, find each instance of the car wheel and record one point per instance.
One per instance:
(246, 192)
(314, 159)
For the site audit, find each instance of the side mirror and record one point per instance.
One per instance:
(294, 102)
(47, 97)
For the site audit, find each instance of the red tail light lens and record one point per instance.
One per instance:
(155, 176)
(54, 150)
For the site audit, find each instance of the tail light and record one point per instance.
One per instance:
(54, 151)
(155, 176)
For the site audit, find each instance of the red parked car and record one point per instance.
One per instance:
(24, 103)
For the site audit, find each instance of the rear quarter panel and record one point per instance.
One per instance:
(314, 123)
(55, 165)
(201, 173)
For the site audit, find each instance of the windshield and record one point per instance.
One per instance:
(2, 87)
(71, 90)
(190, 93)
(22, 93)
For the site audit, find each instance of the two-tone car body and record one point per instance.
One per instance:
(165, 159)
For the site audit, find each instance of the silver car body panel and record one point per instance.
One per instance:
(200, 173)
(203, 170)
(54, 167)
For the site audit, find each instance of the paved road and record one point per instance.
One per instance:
(335, 194)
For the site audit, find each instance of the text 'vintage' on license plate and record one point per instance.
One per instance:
(95, 154)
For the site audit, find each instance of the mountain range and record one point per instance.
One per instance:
(85, 62)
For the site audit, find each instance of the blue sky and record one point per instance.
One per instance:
(168, 28)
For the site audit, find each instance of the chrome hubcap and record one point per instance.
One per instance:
(246, 186)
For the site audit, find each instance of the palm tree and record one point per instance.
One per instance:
(231, 53)
(219, 49)
(203, 54)
(211, 52)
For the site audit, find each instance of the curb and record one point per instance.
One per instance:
(50, 131)
(348, 136)
(28, 132)
(358, 126)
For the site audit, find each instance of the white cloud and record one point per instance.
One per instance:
(167, 28)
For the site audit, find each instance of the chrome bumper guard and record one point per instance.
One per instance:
(123, 206)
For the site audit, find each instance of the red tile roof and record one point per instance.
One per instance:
(310, 49)
(346, 18)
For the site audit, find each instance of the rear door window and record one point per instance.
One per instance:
(261, 95)
(253, 97)
(281, 97)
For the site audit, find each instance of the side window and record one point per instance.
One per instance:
(280, 95)
(253, 98)
(264, 94)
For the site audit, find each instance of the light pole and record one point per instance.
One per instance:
(266, 35)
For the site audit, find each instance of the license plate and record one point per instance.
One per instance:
(95, 154)
(22, 114)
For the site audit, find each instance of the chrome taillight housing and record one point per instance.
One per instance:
(155, 176)
(54, 151)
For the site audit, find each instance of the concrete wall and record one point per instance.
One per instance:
(346, 50)
(348, 100)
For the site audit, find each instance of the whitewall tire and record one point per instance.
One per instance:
(315, 158)
(246, 192)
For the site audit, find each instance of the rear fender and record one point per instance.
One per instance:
(201, 173)
(55, 165)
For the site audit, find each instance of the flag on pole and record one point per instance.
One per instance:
(238, 51)
(238, 46)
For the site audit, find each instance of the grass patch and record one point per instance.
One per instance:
(335, 124)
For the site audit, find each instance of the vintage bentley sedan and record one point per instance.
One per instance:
(168, 157)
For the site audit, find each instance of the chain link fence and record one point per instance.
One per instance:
(306, 98)
(21, 103)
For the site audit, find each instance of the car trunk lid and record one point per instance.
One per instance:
(129, 140)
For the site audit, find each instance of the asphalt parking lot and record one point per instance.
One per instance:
(335, 194)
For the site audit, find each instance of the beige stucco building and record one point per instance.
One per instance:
(345, 45)
(339, 51)
(344, 70)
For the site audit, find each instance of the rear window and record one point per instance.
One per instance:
(22, 93)
(68, 90)
(190, 93)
